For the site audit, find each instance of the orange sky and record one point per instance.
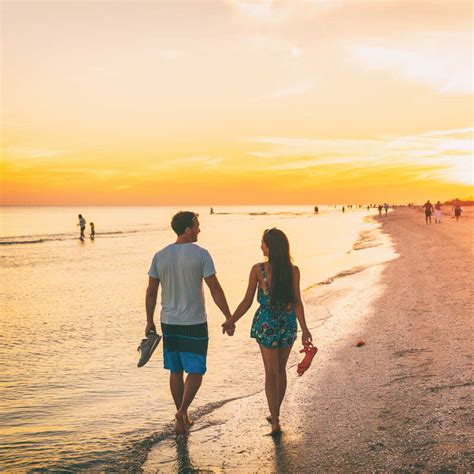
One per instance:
(236, 102)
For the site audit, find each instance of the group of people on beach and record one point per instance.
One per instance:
(437, 209)
(82, 225)
(180, 268)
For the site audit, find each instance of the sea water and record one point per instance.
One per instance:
(73, 314)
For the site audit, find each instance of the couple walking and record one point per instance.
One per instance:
(429, 209)
(180, 268)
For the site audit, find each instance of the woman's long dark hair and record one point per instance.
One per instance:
(282, 292)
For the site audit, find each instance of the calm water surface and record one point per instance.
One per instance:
(72, 315)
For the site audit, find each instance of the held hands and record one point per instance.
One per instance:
(228, 327)
(306, 337)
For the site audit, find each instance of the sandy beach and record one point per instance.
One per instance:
(399, 403)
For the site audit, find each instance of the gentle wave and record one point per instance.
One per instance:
(21, 242)
(62, 237)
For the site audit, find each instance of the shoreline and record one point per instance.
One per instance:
(398, 403)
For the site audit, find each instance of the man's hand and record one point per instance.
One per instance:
(149, 327)
(228, 327)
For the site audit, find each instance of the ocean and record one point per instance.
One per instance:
(73, 314)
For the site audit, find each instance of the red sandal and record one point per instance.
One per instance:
(310, 351)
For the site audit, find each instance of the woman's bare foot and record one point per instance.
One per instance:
(189, 422)
(269, 419)
(180, 426)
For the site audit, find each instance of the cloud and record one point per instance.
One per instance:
(269, 44)
(189, 161)
(260, 10)
(273, 11)
(169, 55)
(206, 161)
(443, 60)
(296, 52)
(33, 153)
(441, 154)
(297, 89)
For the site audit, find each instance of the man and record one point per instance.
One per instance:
(82, 224)
(457, 209)
(180, 268)
(428, 207)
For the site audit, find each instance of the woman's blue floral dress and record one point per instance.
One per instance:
(272, 327)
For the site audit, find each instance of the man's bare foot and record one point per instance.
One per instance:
(189, 422)
(276, 429)
(180, 427)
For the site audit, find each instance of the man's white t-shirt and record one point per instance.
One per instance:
(181, 269)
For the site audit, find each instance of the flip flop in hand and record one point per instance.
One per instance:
(310, 351)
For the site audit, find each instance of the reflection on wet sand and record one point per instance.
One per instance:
(183, 460)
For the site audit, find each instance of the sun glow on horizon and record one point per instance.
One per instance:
(236, 102)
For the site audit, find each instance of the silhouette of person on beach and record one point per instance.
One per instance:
(380, 210)
(92, 231)
(274, 325)
(457, 209)
(438, 212)
(180, 268)
(82, 224)
(211, 211)
(316, 209)
(428, 207)
(343, 209)
(385, 206)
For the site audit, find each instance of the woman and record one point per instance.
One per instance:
(438, 212)
(274, 325)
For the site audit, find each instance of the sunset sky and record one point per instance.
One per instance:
(236, 102)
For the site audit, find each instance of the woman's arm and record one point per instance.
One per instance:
(248, 298)
(299, 310)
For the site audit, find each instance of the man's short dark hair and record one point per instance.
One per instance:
(182, 220)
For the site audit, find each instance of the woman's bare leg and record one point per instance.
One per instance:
(283, 354)
(272, 384)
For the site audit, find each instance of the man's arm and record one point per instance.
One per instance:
(218, 295)
(150, 303)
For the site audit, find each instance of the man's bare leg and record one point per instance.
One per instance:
(191, 387)
(177, 387)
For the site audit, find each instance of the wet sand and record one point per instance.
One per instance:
(399, 403)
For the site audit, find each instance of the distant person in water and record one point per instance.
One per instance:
(181, 268)
(211, 211)
(82, 224)
(316, 209)
(274, 325)
(457, 209)
(343, 209)
(92, 231)
(428, 207)
(438, 212)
